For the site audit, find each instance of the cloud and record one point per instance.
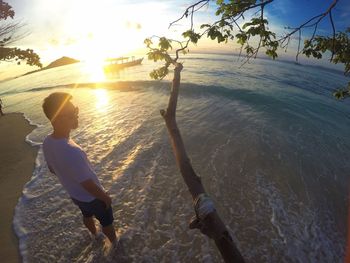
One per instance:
(341, 15)
(70, 41)
(54, 42)
(281, 7)
(133, 25)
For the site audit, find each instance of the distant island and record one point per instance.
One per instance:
(57, 63)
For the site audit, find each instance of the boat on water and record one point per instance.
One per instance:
(113, 64)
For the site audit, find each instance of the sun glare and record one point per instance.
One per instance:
(93, 69)
(107, 36)
(102, 99)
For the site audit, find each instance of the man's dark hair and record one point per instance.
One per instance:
(54, 103)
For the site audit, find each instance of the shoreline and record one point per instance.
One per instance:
(17, 163)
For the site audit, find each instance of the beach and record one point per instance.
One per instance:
(16, 168)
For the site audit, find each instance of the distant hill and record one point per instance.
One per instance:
(61, 62)
(57, 63)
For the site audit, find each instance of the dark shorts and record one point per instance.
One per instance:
(98, 209)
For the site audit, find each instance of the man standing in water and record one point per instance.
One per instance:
(69, 163)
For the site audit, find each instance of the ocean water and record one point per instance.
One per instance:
(269, 141)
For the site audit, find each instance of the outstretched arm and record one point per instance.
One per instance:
(90, 186)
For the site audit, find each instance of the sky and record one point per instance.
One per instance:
(91, 30)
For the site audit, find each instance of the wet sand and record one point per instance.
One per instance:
(17, 161)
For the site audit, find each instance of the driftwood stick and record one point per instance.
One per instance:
(207, 219)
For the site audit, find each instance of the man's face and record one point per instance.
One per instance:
(68, 116)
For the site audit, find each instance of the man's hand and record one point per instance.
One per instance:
(96, 191)
(108, 201)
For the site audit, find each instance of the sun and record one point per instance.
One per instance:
(107, 36)
(102, 43)
(92, 69)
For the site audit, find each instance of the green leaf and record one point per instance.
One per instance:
(164, 44)
(148, 42)
(159, 73)
(194, 37)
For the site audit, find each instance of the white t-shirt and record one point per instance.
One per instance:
(70, 164)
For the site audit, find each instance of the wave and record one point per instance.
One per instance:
(257, 97)
(186, 88)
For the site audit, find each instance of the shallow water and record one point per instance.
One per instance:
(268, 140)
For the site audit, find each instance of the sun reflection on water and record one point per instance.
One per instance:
(102, 99)
(127, 161)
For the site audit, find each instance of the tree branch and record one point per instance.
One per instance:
(306, 24)
(207, 219)
(333, 28)
(185, 14)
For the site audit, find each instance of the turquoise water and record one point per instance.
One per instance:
(269, 141)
